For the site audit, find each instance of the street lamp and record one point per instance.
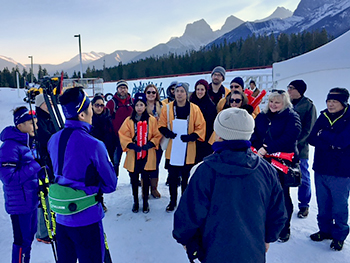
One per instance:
(81, 62)
(31, 73)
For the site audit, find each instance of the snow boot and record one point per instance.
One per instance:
(171, 207)
(337, 245)
(135, 207)
(154, 185)
(145, 208)
(284, 236)
(319, 236)
(303, 212)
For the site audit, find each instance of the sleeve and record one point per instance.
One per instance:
(307, 124)
(162, 122)
(336, 138)
(110, 106)
(156, 135)
(125, 134)
(256, 138)
(314, 139)
(194, 206)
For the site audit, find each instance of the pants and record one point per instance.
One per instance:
(159, 154)
(332, 195)
(42, 228)
(85, 243)
(174, 173)
(134, 177)
(288, 204)
(24, 228)
(304, 191)
(117, 156)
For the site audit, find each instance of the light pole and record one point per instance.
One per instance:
(81, 62)
(31, 73)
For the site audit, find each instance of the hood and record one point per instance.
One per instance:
(12, 133)
(228, 161)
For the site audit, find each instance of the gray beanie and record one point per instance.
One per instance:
(234, 124)
(39, 100)
(220, 70)
(185, 85)
(122, 83)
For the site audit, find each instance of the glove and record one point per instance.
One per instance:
(43, 171)
(189, 137)
(135, 147)
(248, 108)
(167, 133)
(148, 146)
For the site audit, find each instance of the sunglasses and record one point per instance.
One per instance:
(99, 105)
(151, 92)
(279, 91)
(235, 100)
(235, 86)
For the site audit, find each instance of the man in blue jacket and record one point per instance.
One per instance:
(80, 162)
(233, 206)
(19, 175)
(330, 136)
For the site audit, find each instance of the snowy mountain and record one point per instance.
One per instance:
(9, 63)
(280, 12)
(333, 15)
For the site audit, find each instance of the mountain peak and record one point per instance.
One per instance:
(280, 13)
(198, 29)
(231, 23)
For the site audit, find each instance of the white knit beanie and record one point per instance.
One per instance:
(234, 124)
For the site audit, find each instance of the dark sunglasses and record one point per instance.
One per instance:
(279, 91)
(235, 100)
(99, 105)
(151, 92)
(235, 86)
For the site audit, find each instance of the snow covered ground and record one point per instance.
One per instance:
(147, 238)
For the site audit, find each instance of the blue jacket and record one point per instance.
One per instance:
(234, 199)
(332, 144)
(86, 167)
(18, 172)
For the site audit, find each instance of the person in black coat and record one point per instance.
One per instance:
(201, 98)
(330, 136)
(233, 206)
(277, 130)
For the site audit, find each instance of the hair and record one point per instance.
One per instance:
(252, 81)
(243, 97)
(96, 98)
(285, 100)
(18, 109)
(153, 86)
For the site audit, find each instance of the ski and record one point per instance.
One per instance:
(144, 137)
(141, 138)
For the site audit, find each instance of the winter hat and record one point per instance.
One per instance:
(74, 101)
(239, 81)
(39, 100)
(140, 96)
(185, 85)
(339, 94)
(122, 83)
(22, 114)
(202, 82)
(299, 85)
(220, 70)
(234, 124)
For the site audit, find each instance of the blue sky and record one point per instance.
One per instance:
(45, 29)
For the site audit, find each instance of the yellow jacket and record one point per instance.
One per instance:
(127, 133)
(196, 124)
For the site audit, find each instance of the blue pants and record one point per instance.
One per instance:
(332, 195)
(24, 228)
(85, 243)
(304, 191)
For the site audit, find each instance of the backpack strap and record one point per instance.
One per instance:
(62, 145)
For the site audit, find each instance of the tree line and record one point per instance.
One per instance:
(254, 51)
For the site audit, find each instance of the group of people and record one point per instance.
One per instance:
(209, 134)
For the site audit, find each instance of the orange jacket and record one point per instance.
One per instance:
(127, 133)
(196, 124)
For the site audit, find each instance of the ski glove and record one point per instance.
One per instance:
(148, 146)
(43, 171)
(167, 133)
(135, 147)
(189, 137)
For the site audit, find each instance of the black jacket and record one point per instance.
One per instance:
(331, 138)
(308, 115)
(234, 199)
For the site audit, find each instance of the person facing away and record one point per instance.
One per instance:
(80, 162)
(233, 206)
(170, 93)
(307, 113)
(19, 175)
(216, 90)
(330, 136)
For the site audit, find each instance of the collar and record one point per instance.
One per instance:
(233, 145)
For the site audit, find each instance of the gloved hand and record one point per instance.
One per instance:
(167, 133)
(135, 147)
(148, 146)
(43, 171)
(43, 188)
(189, 137)
(248, 108)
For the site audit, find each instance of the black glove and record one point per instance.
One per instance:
(167, 133)
(148, 146)
(189, 137)
(248, 108)
(135, 147)
(194, 250)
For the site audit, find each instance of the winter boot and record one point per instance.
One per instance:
(145, 208)
(337, 245)
(135, 207)
(319, 236)
(154, 185)
(284, 236)
(171, 207)
(303, 212)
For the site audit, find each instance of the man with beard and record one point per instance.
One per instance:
(216, 90)
(120, 107)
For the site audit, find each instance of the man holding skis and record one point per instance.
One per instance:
(80, 162)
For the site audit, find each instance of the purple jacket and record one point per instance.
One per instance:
(18, 172)
(86, 167)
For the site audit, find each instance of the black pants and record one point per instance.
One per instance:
(288, 204)
(175, 172)
(134, 177)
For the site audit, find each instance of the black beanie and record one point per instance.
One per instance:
(239, 81)
(299, 85)
(339, 94)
